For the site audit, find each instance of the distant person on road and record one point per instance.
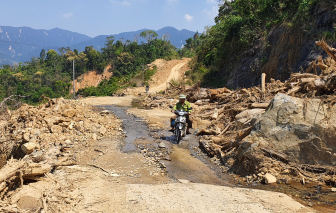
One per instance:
(147, 88)
(182, 105)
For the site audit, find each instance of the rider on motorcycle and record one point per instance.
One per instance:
(182, 105)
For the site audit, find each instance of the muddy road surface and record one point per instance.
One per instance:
(143, 170)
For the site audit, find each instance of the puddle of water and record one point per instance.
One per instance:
(185, 164)
(136, 103)
(134, 129)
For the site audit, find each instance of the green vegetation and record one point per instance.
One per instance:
(51, 73)
(238, 24)
(149, 73)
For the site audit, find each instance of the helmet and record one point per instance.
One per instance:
(182, 97)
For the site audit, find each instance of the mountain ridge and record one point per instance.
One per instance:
(20, 44)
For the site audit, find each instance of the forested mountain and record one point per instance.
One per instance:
(20, 44)
(250, 37)
(176, 37)
(51, 73)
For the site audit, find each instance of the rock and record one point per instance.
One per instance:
(71, 126)
(248, 117)
(61, 138)
(285, 172)
(66, 142)
(56, 129)
(35, 132)
(333, 189)
(94, 136)
(105, 112)
(162, 145)
(26, 137)
(79, 128)
(51, 120)
(70, 113)
(162, 165)
(269, 179)
(37, 154)
(102, 130)
(29, 147)
(183, 181)
(297, 128)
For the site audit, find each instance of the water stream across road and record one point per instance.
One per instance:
(184, 162)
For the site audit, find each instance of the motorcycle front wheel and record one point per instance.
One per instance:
(178, 135)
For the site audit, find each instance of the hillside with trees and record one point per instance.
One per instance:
(51, 73)
(250, 37)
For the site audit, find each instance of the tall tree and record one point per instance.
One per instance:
(149, 35)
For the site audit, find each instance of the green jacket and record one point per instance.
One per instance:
(186, 106)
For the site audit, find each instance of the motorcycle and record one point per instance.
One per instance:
(180, 124)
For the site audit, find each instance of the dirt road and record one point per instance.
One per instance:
(130, 173)
(166, 72)
(173, 75)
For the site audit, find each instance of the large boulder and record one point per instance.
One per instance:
(303, 129)
(248, 118)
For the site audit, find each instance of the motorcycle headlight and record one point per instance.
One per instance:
(181, 113)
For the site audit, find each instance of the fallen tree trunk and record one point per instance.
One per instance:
(258, 105)
(206, 132)
(10, 170)
(331, 51)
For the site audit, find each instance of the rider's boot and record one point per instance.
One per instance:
(188, 132)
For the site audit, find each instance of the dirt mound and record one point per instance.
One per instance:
(92, 79)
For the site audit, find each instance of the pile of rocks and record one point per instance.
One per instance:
(38, 139)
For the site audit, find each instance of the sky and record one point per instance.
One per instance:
(106, 17)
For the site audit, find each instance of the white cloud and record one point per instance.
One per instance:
(67, 15)
(211, 13)
(188, 17)
(125, 3)
(212, 1)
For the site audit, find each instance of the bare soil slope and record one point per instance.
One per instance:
(168, 71)
(92, 78)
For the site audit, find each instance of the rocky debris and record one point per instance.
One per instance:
(43, 138)
(105, 112)
(29, 147)
(183, 181)
(268, 178)
(285, 129)
(70, 113)
(102, 130)
(162, 165)
(162, 145)
(153, 155)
